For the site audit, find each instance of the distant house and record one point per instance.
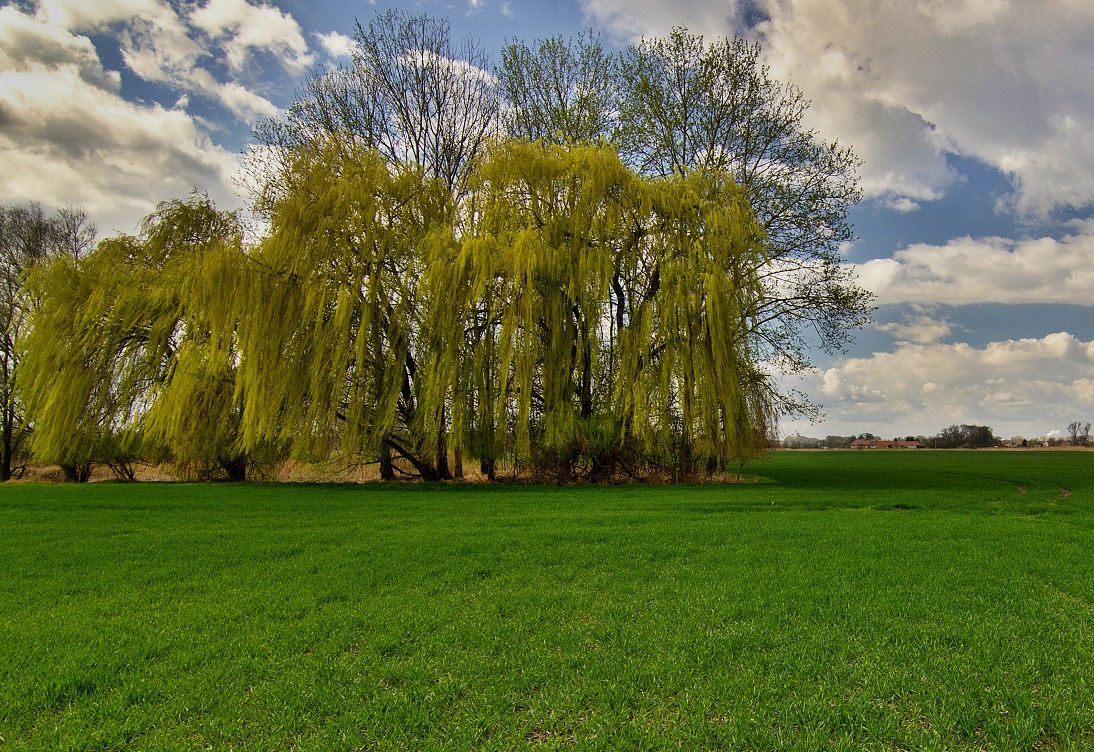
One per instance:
(879, 444)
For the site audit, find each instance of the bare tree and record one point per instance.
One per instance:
(412, 93)
(1078, 433)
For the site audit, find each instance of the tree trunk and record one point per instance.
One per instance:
(387, 471)
(443, 473)
(9, 443)
(5, 461)
(458, 469)
(236, 469)
(488, 467)
(77, 473)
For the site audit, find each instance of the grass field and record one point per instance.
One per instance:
(846, 601)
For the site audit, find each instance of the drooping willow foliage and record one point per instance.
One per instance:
(567, 317)
(132, 353)
(598, 320)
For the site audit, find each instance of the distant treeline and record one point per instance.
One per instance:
(962, 436)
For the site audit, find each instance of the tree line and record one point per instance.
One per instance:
(584, 264)
(963, 436)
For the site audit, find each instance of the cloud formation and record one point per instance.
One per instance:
(907, 84)
(336, 45)
(67, 136)
(1031, 385)
(70, 135)
(987, 270)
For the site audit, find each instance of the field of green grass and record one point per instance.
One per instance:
(840, 601)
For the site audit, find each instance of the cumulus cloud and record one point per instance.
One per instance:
(81, 14)
(338, 46)
(921, 326)
(244, 28)
(907, 84)
(987, 270)
(189, 51)
(1026, 386)
(68, 136)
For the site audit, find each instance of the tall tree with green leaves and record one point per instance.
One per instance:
(28, 237)
(616, 310)
(132, 347)
(426, 104)
(334, 357)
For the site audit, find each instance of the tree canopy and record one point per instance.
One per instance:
(584, 264)
(132, 348)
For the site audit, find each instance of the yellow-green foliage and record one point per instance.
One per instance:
(615, 307)
(136, 340)
(564, 311)
(331, 338)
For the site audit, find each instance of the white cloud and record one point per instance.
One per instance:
(68, 137)
(1026, 386)
(906, 84)
(246, 28)
(27, 45)
(158, 48)
(181, 51)
(987, 270)
(77, 15)
(1001, 81)
(921, 326)
(338, 46)
(901, 204)
(244, 103)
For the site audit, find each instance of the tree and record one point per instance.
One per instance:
(1078, 433)
(963, 436)
(334, 356)
(615, 314)
(28, 237)
(687, 105)
(132, 349)
(593, 267)
(411, 93)
(427, 107)
(559, 91)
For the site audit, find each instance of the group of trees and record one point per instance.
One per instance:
(963, 437)
(584, 263)
(1078, 433)
(954, 437)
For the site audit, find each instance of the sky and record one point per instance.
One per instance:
(974, 121)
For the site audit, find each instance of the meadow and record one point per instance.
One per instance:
(833, 601)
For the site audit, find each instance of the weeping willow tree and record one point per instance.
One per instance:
(599, 320)
(76, 383)
(335, 359)
(132, 349)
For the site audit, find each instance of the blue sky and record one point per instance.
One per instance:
(974, 120)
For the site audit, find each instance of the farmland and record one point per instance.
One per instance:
(832, 600)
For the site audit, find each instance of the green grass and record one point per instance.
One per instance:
(855, 601)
